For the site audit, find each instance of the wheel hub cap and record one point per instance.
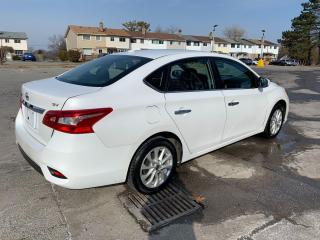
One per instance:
(156, 167)
(276, 122)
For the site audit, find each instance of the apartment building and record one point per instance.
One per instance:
(16, 40)
(155, 40)
(96, 40)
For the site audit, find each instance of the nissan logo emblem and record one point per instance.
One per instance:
(26, 96)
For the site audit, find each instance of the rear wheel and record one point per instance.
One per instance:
(153, 165)
(275, 121)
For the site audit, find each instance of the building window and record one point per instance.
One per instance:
(98, 38)
(157, 41)
(188, 43)
(179, 43)
(249, 46)
(18, 52)
(87, 51)
(122, 39)
(224, 45)
(171, 42)
(196, 43)
(133, 40)
(7, 41)
(111, 39)
(205, 44)
(141, 40)
(275, 47)
(17, 41)
(259, 46)
(86, 37)
(233, 45)
(245, 46)
(219, 45)
(100, 50)
(238, 45)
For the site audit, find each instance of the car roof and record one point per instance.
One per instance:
(153, 54)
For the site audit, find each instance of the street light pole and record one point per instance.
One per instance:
(212, 37)
(262, 43)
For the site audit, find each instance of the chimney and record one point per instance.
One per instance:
(179, 32)
(101, 29)
(144, 31)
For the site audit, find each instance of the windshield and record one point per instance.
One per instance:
(103, 71)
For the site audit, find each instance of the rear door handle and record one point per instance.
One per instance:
(233, 103)
(182, 111)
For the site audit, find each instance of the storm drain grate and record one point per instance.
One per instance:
(157, 210)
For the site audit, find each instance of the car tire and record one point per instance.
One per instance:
(144, 163)
(275, 121)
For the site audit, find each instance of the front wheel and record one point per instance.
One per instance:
(153, 165)
(275, 122)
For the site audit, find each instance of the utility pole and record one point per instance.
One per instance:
(212, 37)
(262, 43)
(1, 52)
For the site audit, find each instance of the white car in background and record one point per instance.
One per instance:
(134, 117)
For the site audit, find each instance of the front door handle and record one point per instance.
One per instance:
(182, 111)
(233, 103)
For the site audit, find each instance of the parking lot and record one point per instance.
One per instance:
(253, 189)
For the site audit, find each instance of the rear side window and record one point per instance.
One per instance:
(235, 75)
(157, 79)
(190, 75)
(103, 71)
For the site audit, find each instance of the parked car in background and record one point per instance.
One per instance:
(135, 116)
(247, 61)
(28, 57)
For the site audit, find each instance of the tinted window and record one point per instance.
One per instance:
(157, 79)
(103, 71)
(234, 75)
(190, 75)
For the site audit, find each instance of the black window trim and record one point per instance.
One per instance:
(212, 74)
(221, 81)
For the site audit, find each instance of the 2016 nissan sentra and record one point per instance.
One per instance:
(134, 117)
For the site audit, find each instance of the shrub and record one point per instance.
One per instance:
(74, 55)
(16, 57)
(63, 55)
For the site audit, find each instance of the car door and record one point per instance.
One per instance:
(246, 104)
(194, 104)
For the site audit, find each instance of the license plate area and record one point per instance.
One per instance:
(31, 118)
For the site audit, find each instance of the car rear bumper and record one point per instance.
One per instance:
(82, 158)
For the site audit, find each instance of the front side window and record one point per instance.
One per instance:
(233, 45)
(17, 41)
(141, 40)
(188, 43)
(7, 40)
(196, 44)
(205, 44)
(122, 39)
(98, 38)
(103, 71)
(111, 39)
(234, 75)
(190, 75)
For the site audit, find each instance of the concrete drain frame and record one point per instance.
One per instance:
(157, 210)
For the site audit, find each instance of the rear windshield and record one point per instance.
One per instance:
(103, 71)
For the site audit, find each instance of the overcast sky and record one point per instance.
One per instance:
(43, 18)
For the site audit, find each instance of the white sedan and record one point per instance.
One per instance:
(134, 117)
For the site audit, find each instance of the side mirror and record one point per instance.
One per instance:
(263, 82)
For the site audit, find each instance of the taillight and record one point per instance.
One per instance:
(75, 121)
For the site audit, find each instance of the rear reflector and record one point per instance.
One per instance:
(56, 173)
(75, 121)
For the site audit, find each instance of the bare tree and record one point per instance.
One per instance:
(57, 43)
(171, 29)
(234, 32)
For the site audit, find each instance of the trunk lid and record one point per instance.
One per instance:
(38, 97)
